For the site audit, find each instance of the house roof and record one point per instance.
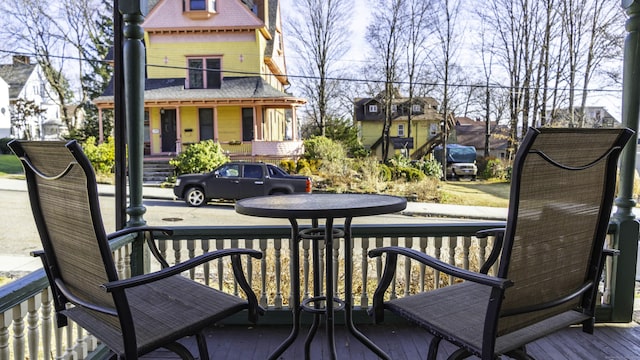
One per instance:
(232, 88)
(16, 75)
(471, 132)
(168, 15)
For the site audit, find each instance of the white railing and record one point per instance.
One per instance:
(27, 319)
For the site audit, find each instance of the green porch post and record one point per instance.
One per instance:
(133, 12)
(627, 237)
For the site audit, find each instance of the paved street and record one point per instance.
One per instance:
(18, 234)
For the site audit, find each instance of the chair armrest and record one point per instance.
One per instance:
(377, 308)
(498, 233)
(442, 266)
(150, 240)
(177, 269)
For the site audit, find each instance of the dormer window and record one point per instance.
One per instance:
(416, 109)
(204, 73)
(373, 108)
(199, 9)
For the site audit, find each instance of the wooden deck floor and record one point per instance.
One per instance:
(609, 341)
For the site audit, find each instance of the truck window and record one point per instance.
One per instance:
(232, 170)
(253, 171)
(276, 172)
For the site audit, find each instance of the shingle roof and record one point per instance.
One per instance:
(230, 14)
(16, 75)
(252, 87)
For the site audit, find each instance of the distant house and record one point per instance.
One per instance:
(594, 117)
(26, 81)
(369, 116)
(5, 114)
(216, 70)
(472, 132)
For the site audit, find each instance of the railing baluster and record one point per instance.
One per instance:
(453, 243)
(5, 322)
(436, 253)
(191, 253)
(18, 330)
(263, 271)
(220, 265)
(424, 241)
(33, 304)
(305, 267)
(234, 245)
(277, 245)
(45, 323)
(70, 354)
(206, 267)
(408, 242)
(466, 245)
(364, 265)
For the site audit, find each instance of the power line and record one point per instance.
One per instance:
(313, 77)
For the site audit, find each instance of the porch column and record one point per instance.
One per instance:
(627, 237)
(133, 12)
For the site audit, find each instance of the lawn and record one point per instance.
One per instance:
(475, 193)
(10, 165)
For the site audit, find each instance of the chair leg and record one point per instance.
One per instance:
(180, 350)
(459, 354)
(202, 346)
(520, 354)
(433, 348)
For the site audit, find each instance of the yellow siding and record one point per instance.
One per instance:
(238, 58)
(154, 124)
(189, 120)
(229, 123)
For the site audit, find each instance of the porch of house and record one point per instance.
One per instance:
(405, 341)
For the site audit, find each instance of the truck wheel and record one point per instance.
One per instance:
(194, 197)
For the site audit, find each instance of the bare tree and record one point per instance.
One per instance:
(62, 37)
(416, 34)
(321, 37)
(385, 36)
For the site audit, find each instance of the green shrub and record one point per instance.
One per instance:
(200, 157)
(102, 156)
(288, 166)
(385, 172)
(495, 169)
(431, 167)
(323, 148)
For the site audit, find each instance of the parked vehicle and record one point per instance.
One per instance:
(238, 180)
(461, 161)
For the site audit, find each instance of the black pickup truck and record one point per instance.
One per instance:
(238, 180)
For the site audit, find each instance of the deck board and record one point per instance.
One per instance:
(609, 341)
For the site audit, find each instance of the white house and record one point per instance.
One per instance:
(5, 116)
(26, 81)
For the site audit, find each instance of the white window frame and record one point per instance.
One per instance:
(415, 108)
(401, 130)
(373, 108)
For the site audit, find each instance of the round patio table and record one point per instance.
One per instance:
(327, 207)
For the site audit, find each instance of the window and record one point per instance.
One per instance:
(204, 73)
(394, 108)
(416, 108)
(247, 124)
(197, 5)
(230, 170)
(253, 171)
(205, 119)
(202, 5)
(373, 108)
(401, 130)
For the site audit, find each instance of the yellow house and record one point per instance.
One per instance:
(413, 140)
(215, 69)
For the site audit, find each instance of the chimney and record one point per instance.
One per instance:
(21, 59)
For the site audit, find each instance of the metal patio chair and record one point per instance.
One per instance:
(131, 316)
(549, 256)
